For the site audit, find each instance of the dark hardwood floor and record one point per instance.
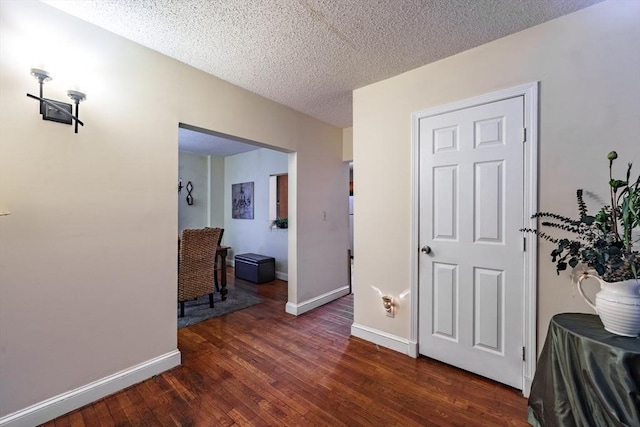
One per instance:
(261, 366)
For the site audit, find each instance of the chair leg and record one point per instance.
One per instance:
(211, 300)
(181, 308)
(215, 279)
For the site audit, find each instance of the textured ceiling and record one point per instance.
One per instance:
(311, 54)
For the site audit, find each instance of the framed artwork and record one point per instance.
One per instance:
(242, 200)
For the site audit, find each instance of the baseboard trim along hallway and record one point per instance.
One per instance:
(303, 307)
(81, 396)
(384, 339)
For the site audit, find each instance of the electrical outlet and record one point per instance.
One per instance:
(389, 307)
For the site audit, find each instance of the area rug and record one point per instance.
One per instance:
(198, 310)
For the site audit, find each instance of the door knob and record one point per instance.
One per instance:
(426, 249)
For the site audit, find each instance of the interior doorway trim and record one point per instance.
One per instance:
(530, 157)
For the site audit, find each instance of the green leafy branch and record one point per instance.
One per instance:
(604, 242)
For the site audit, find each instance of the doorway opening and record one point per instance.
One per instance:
(210, 166)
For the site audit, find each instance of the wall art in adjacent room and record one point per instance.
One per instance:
(242, 200)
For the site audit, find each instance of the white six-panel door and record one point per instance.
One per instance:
(471, 209)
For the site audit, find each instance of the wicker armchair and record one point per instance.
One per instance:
(196, 264)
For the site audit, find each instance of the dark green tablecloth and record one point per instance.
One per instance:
(586, 376)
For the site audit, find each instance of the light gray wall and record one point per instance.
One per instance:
(256, 235)
(193, 168)
(206, 173)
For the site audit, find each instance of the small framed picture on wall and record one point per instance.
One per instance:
(242, 200)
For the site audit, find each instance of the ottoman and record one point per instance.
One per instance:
(255, 268)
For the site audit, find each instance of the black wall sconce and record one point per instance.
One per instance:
(57, 111)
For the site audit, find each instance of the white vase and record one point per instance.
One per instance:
(617, 304)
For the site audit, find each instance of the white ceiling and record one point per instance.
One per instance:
(203, 142)
(311, 54)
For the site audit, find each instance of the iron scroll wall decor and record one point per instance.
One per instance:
(57, 111)
(189, 188)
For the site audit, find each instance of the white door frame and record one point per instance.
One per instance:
(530, 93)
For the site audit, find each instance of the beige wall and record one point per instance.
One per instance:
(588, 66)
(92, 234)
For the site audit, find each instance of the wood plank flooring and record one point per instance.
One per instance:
(262, 367)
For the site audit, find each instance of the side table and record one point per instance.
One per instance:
(585, 376)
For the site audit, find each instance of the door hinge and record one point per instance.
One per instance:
(523, 352)
(524, 244)
(524, 134)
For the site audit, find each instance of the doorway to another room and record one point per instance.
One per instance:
(225, 182)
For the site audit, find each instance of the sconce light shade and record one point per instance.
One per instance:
(41, 75)
(76, 96)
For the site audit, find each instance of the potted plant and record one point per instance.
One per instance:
(280, 222)
(604, 243)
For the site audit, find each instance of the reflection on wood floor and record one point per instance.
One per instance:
(262, 367)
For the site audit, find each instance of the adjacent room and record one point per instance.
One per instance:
(214, 164)
(212, 168)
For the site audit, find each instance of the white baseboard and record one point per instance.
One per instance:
(413, 349)
(303, 307)
(527, 386)
(405, 346)
(393, 342)
(81, 396)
